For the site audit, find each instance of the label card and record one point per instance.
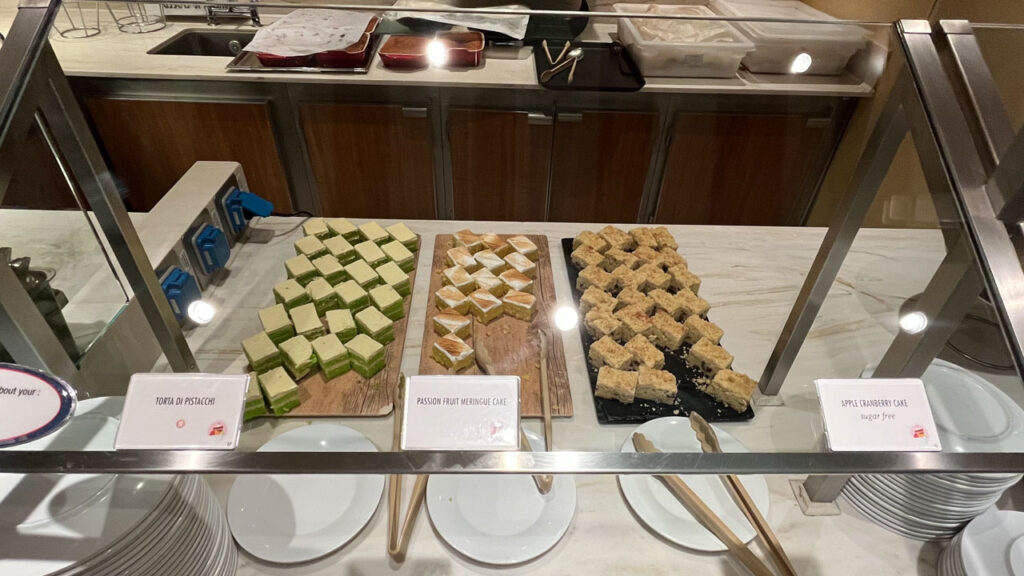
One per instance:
(182, 412)
(877, 415)
(32, 404)
(461, 413)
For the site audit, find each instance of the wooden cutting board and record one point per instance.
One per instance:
(515, 348)
(350, 394)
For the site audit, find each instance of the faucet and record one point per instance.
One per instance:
(215, 11)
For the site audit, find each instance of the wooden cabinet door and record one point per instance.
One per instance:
(370, 161)
(499, 164)
(599, 166)
(151, 143)
(736, 169)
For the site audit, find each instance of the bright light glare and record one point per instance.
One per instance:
(437, 54)
(801, 64)
(566, 318)
(201, 312)
(914, 322)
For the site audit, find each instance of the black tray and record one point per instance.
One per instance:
(605, 66)
(688, 398)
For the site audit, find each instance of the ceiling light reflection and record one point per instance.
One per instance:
(801, 64)
(914, 322)
(566, 318)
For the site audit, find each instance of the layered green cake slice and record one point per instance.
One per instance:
(342, 324)
(316, 227)
(399, 254)
(310, 246)
(301, 269)
(363, 274)
(290, 293)
(281, 392)
(332, 356)
(374, 233)
(352, 295)
(261, 352)
(344, 229)
(401, 233)
(371, 253)
(393, 276)
(375, 325)
(298, 356)
(331, 269)
(341, 249)
(367, 355)
(276, 323)
(254, 405)
(323, 295)
(388, 301)
(306, 321)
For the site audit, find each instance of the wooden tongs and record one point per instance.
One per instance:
(398, 544)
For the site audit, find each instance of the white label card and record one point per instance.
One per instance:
(877, 415)
(182, 412)
(461, 413)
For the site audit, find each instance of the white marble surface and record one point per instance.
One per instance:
(751, 276)
(114, 54)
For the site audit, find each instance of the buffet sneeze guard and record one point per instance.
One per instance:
(929, 101)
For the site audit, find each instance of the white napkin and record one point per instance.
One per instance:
(512, 25)
(308, 31)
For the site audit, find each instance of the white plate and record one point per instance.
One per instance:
(501, 518)
(971, 414)
(296, 518)
(987, 542)
(662, 512)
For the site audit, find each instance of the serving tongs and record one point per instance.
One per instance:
(485, 362)
(709, 443)
(398, 544)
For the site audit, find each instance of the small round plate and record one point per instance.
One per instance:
(297, 518)
(988, 542)
(662, 512)
(41, 402)
(503, 518)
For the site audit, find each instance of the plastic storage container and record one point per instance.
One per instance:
(681, 48)
(779, 46)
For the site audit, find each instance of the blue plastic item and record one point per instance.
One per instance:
(181, 289)
(240, 205)
(256, 205)
(212, 248)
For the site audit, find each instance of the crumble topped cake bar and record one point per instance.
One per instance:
(616, 384)
(634, 322)
(519, 305)
(486, 280)
(596, 299)
(630, 296)
(653, 277)
(516, 280)
(491, 261)
(657, 385)
(709, 357)
(374, 233)
(667, 302)
(600, 324)
(332, 270)
(626, 278)
(484, 306)
(691, 304)
(614, 258)
(645, 353)
(525, 246)
(608, 352)
(468, 240)
(683, 279)
(460, 256)
(697, 328)
(617, 238)
(644, 237)
(301, 269)
(732, 389)
(290, 293)
(453, 353)
(590, 238)
(667, 332)
(344, 229)
(669, 257)
(311, 247)
(595, 276)
(341, 249)
(495, 243)
(458, 277)
(522, 264)
(664, 238)
(316, 227)
(586, 256)
(449, 321)
(451, 297)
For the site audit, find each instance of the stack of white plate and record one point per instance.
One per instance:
(109, 524)
(972, 415)
(991, 545)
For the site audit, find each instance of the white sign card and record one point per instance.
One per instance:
(32, 404)
(877, 415)
(182, 412)
(461, 413)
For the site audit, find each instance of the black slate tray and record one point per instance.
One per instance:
(688, 398)
(605, 66)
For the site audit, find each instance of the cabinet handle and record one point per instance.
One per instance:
(570, 116)
(538, 119)
(818, 122)
(414, 111)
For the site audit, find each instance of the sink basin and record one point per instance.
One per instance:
(199, 42)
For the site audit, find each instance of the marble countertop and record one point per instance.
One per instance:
(750, 276)
(114, 54)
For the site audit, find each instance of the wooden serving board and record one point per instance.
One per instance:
(350, 394)
(515, 348)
